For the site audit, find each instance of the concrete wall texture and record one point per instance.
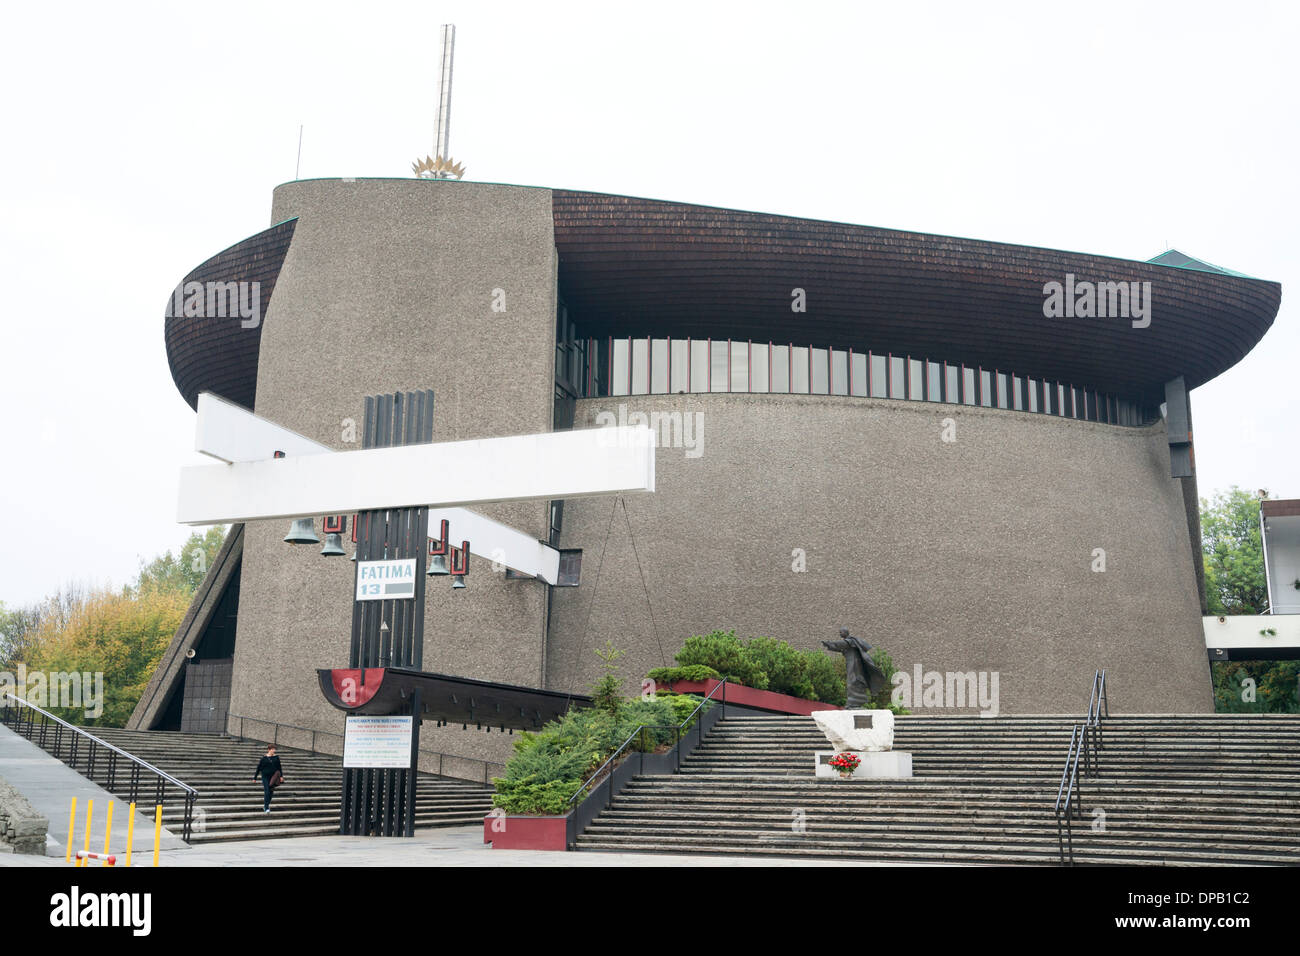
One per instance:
(388, 285)
(974, 554)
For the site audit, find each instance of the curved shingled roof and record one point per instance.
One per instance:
(641, 267)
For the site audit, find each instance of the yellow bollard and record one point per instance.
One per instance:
(157, 832)
(130, 832)
(90, 810)
(108, 831)
(72, 829)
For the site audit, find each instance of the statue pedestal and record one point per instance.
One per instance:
(875, 765)
(857, 730)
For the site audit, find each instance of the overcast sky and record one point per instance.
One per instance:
(140, 139)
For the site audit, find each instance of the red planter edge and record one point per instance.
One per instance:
(526, 833)
(743, 696)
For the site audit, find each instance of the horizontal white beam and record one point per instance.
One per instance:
(572, 464)
(231, 433)
(494, 541)
(1251, 632)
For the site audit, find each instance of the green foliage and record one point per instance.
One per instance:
(724, 652)
(826, 674)
(119, 633)
(884, 700)
(764, 663)
(683, 705)
(183, 572)
(540, 799)
(1276, 686)
(786, 668)
(1233, 554)
(1233, 550)
(120, 636)
(607, 693)
(549, 766)
(693, 672)
(17, 634)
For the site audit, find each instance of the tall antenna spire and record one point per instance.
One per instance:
(442, 131)
(440, 165)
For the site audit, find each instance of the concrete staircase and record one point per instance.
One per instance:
(229, 805)
(1173, 790)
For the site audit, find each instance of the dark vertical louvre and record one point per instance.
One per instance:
(383, 801)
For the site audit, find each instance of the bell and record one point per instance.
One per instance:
(333, 545)
(438, 565)
(302, 532)
(458, 582)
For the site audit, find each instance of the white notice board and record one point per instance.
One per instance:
(385, 580)
(377, 742)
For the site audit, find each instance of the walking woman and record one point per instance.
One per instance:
(268, 768)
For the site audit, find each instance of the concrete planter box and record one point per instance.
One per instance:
(748, 697)
(526, 833)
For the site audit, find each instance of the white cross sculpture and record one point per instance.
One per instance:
(313, 479)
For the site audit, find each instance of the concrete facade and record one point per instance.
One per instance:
(970, 555)
(390, 285)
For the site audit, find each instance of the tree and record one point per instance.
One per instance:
(185, 571)
(17, 629)
(1233, 547)
(1234, 554)
(607, 694)
(119, 636)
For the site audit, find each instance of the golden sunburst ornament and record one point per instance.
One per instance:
(435, 167)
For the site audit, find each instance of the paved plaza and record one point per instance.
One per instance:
(453, 846)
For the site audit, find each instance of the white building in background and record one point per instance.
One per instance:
(1279, 522)
(1274, 636)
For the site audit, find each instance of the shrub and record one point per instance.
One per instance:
(826, 674)
(885, 699)
(683, 705)
(763, 663)
(693, 672)
(542, 799)
(723, 651)
(785, 667)
(549, 766)
(606, 694)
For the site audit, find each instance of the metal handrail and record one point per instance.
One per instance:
(1098, 707)
(1085, 743)
(114, 752)
(641, 729)
(1097, 700)
(1071, 807)
(676, 728)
